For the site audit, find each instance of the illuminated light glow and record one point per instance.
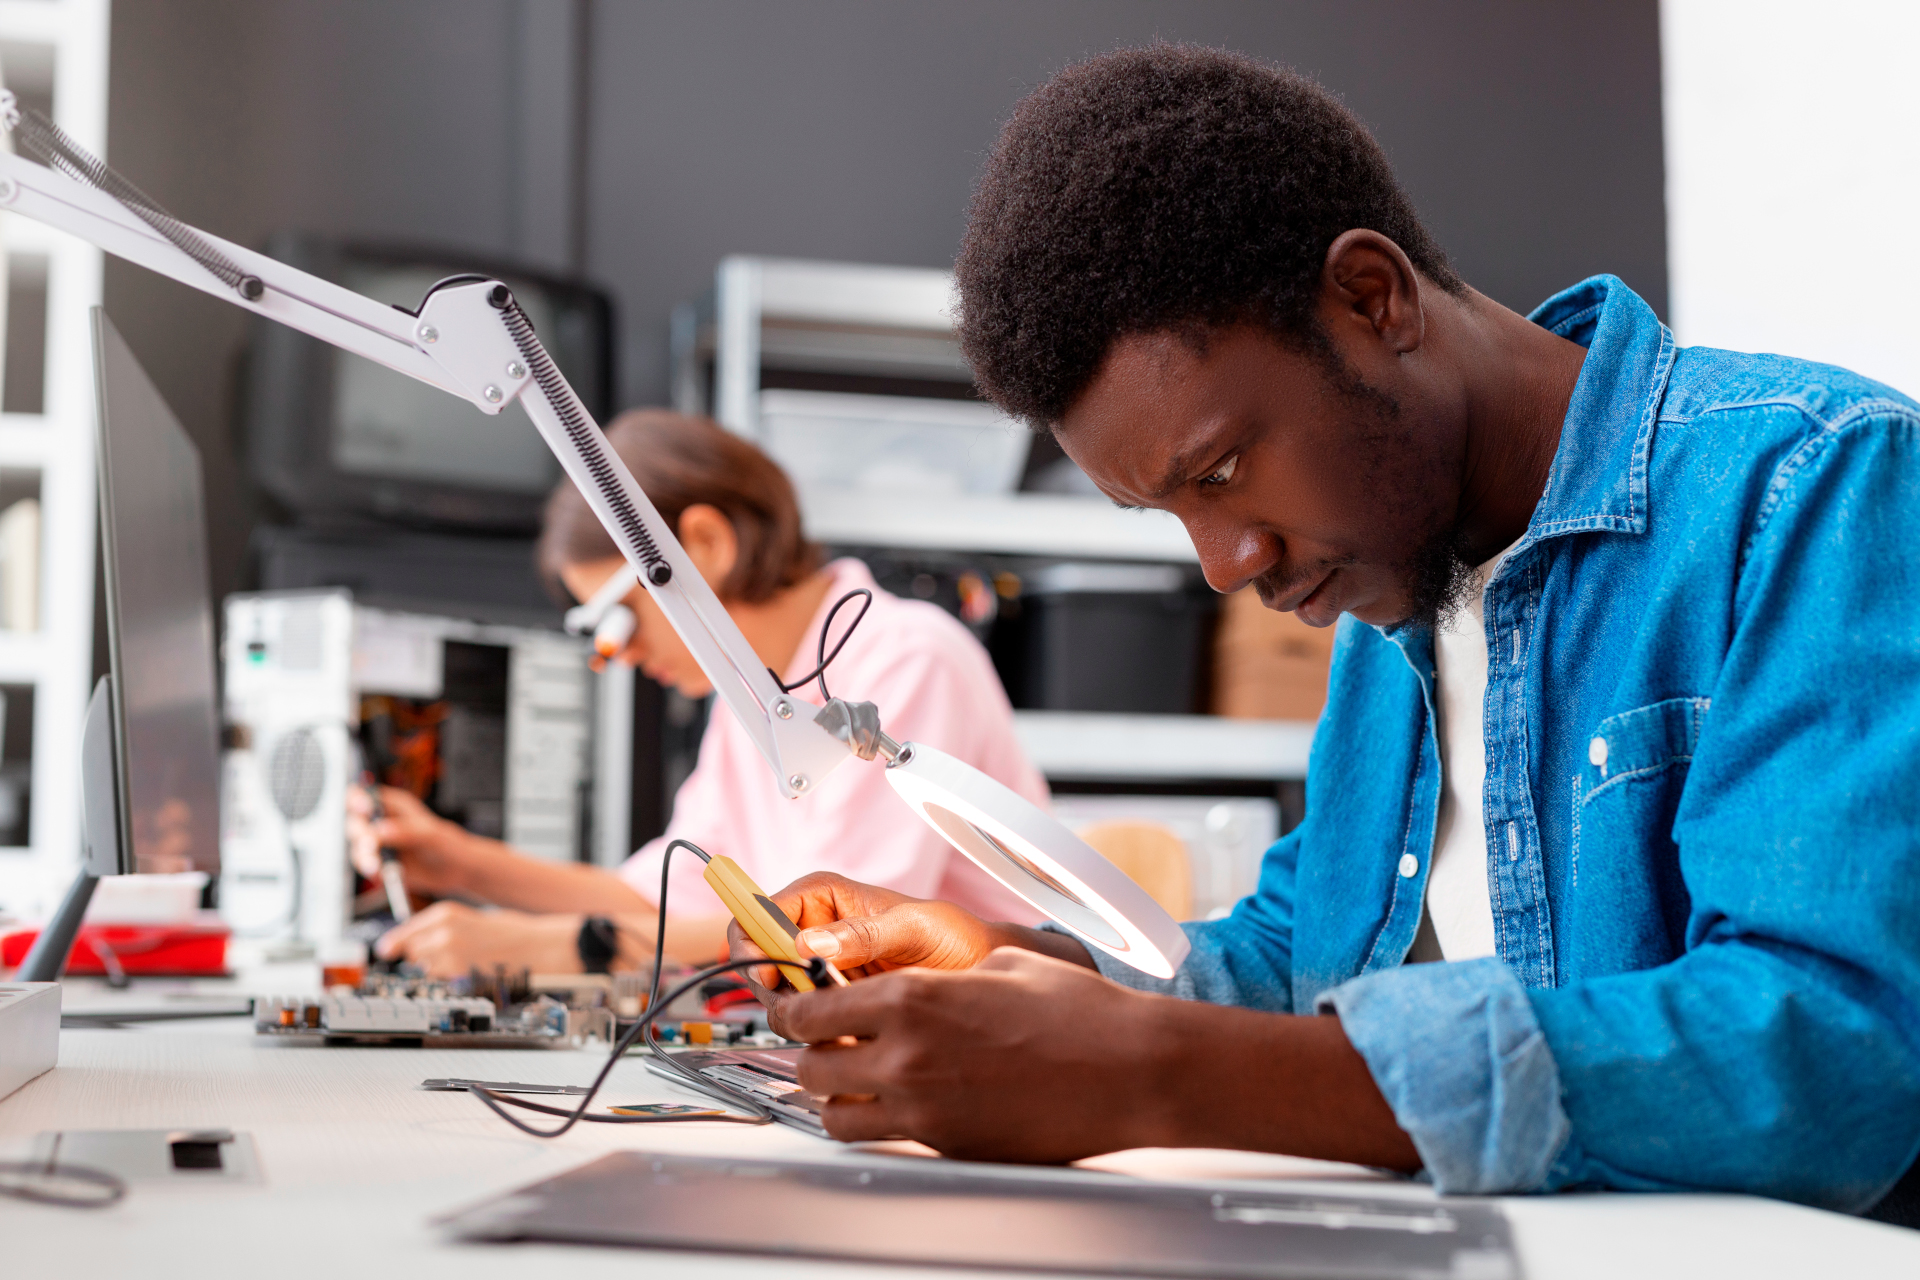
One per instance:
(1027, 850)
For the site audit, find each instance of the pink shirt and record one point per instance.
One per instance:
(934, 684)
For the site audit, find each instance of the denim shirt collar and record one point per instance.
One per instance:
(1598, 480)
(1599, 475)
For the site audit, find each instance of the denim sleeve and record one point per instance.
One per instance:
(1245, 959)
(1460, 1057)
(1779, 1052)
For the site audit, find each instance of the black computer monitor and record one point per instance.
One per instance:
(335, 437)
(150, 754)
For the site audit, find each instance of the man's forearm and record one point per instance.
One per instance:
(1251, 1081)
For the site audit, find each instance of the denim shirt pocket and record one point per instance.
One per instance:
(1625, 867)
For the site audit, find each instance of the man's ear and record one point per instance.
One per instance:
(711, 542)
(1369, 289)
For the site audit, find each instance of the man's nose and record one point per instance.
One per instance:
(1232, 554)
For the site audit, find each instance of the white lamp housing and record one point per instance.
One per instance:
(1027, 850)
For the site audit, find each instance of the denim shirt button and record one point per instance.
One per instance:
(1409, 865)
(1597, 753)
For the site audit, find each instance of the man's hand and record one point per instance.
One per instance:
(433, 851)
(1022, 1057)
(1026, 1058)
(448, 938)
(867, 930)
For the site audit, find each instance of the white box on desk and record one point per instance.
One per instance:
(29, 1031)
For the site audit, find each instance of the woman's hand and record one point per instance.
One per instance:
(435, 857)
(449, 938)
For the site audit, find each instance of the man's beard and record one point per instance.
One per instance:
(1438, 580)
(1436, 574)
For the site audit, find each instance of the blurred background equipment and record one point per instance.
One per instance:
(390, 487)
(335, 438)
(1108, 637)
(493, 726)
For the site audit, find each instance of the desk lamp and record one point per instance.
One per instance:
(471, 339)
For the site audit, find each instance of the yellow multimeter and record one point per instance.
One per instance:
(764, 922)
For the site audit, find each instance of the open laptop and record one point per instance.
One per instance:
(771, 1077)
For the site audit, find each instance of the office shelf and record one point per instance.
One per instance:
(1082, 746)
(889, 331)
(1036, 524)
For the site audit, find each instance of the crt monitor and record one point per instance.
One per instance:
(337, 438)
(150, 753)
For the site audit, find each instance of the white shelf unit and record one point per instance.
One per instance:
(1081, 746)
(889, 323)
(61, 44)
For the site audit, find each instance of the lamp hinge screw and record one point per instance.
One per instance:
(515, 369)
(798, 782)
(783, 709)
(490, 393)
(428, 333)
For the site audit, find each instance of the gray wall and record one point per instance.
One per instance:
(642, 139)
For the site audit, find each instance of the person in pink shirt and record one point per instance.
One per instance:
(735, 512)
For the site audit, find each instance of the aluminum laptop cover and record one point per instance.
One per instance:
(944, 1212)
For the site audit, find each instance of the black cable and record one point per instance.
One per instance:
(820, 672)
(816, 969)
(72, 1186)
(655, 1006)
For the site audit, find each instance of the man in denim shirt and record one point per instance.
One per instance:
(1700, 717)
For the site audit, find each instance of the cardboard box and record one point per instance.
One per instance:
(1268, 665)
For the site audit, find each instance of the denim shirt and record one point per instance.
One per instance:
(1702, 804)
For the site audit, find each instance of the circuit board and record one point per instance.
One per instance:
(468, 1022)
(500, 1010)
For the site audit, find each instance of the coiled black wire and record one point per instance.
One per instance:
(586, 439)
(820, 672)
(655, 1005)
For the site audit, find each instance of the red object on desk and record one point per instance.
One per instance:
(154, 950)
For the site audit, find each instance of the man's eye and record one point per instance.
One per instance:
(1222, 473)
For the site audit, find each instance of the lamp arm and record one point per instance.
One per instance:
(470, 339)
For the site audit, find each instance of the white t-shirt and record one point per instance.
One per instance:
(1457, 923)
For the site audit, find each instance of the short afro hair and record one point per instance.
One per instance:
(1173, 188)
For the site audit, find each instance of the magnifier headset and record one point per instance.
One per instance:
(605, 616)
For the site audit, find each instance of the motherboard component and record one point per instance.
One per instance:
(435, 1021)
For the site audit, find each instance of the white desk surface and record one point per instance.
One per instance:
(357, 1160)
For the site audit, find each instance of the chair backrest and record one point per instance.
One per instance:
(1153, 858)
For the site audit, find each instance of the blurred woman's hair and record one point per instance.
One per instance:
(680, 461)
